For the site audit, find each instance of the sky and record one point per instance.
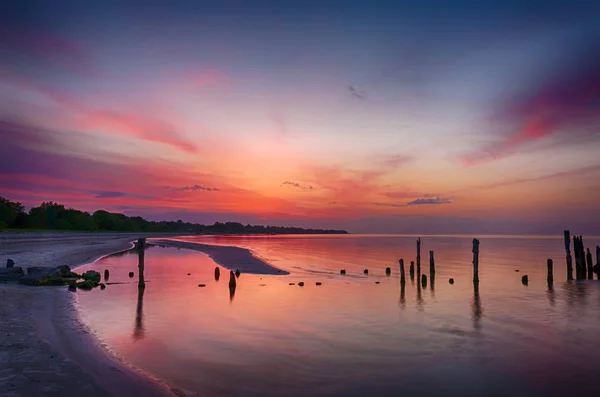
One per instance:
(374, 116)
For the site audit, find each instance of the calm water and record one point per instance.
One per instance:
(351, 336)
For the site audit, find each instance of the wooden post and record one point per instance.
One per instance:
(431, 263)
(577, 259)
(475, 260)
(232, 281)
(402, 279)
(550, 275)
(141, 246)
(419, 255)
(412, 269)
(569, 257)
(424, 281)
(597, 267)
(590, 264)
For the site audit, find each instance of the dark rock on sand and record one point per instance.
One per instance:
(292, 284)
(525, 280)
(201, 285)
(131, 274)
(516, 270)
(11, 274)
(301, 284)
(377, 282)
(102, 285)
(451, 281)
(10, 263)
(319, 283)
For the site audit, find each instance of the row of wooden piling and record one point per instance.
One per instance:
(584, 265)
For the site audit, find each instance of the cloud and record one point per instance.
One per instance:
(395, 161)
(109, 194)
(196, 188)
(356, 93)
(297, 185)
(393, 205)
(559, 104)
(429, 201)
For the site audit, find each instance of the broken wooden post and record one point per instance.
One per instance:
(550, 275)
(412, 269)
(419, 255)
(106, 274)
(217, 273)
(475, 260)
(424, 280)
(141, 246)
(402, 279)
(597, 266)
(431, 263)
(590, 264)
(569, 257)
(388, 271)
(232, 281)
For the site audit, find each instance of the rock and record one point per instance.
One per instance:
(232, 282)
(377, 282)
(319, 283)
(10, 263)
(217, 273)
(451, 281)
(292, 284)
(596, 268)
(237, 273)
(301, 284)
(516, 270)
(343, 271)
(366, 271)
(106, 274)
(86, 284)
(49, 280)
(37, 275)
(131, 274)
(388, 271)
(201, 285)
(102, 285)
(11, 274)
(64, 271)
(189, 274)
(525, 279)
(91, 275)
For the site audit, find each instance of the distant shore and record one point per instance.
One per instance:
(49, 350)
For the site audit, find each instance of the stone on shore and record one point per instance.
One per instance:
(131, 274)
(201, 285)
(388, 271)
(366, 271)
(525, 280)
(319, 283)
(301, 284)
(10, 263)
(451, 281)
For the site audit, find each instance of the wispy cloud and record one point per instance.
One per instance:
(429, 201)
(393, 205)
(196, 188)
(569, 98)
(358, 94)
(298, 185)
(110, 194)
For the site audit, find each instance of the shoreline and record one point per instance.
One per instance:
(42, 330)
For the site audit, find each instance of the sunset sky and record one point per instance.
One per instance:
(372, 116)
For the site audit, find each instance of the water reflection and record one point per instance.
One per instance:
(550, 293)
(419, 296)
(477, 310)
(231, 292)
(138, 331)
(432, 284)
(402, 296)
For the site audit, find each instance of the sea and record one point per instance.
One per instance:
(355, 334)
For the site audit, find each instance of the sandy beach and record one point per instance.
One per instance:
(46, 350)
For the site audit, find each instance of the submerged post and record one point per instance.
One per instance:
(475, 260)
(419, 255)
(402, 279)
(569, 257)
(412, 269)
(141, 246)
(431, 263)
(550, 275)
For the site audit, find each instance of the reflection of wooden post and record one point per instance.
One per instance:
(569, 257)
(141, 246)
(475, 260)
(419, 255)
(138, 332)
(431, 263)
(550, 275)
(402, 279)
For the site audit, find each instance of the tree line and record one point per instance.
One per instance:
(53, 216)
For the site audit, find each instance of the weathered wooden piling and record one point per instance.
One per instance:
(141, 246)
(525, 280)
(423, 280)
(568, 253)
(343, 272)
(419, 255)
(106, 274)
(402, 279)
(550, 275)
(597, 266)
(580, 268)
(431, 263)
(590, 264)
(411, 269)
(475, 260)
(388, 271)
(131, 274)
(232, 281)
(366, 271)
(217, 273)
